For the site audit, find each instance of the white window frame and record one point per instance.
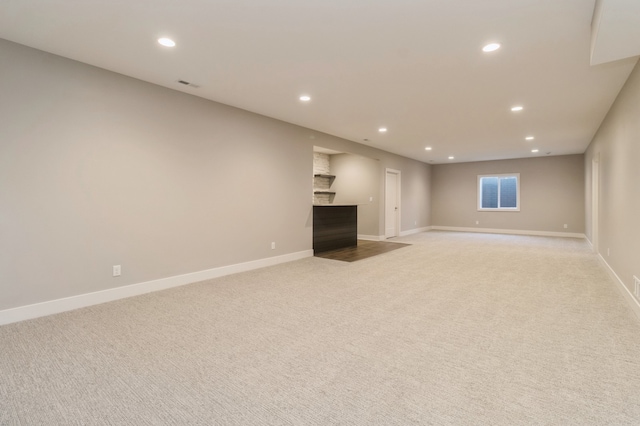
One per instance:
(499, 209)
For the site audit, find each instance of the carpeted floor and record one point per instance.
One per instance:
(456, 329)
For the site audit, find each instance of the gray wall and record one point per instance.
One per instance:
(357, 180)
(616, 145)
(551, 194)
(415, 210)
(98, 169)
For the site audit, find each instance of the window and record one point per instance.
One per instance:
(499, 192)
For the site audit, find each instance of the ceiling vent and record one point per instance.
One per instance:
(186, 83)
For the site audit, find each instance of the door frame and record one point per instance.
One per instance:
(595, 202)
(398, 175)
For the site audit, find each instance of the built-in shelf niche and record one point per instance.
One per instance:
(330, 178)
(322, 177)
(322, 193)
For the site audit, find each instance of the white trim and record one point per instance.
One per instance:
(589, 242)
(371, 237)
(402, 234)
(626, 293)
(398, 225)
(509, 231)
(50, 307)
(595, 202)
(415, 231)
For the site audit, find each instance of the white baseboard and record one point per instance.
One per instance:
(36, 310)
(371, 237)
(626, 293)
(415, 231)
(509, 231)
(402, 234)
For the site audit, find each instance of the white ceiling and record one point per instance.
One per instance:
(615, 30)
(415, 67)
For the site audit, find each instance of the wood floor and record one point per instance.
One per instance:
(363, 250)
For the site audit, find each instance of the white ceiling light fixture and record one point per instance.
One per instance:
(451, 157)
(517, 108)
(166, 42)
(491, 47)
(305, 98)
(382, 129)
(529, 138)
(535, 150)
(428, 148)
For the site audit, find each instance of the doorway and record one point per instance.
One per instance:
(392, 204)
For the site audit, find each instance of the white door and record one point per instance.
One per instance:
(392, 204)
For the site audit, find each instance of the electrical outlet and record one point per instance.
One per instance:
(566, 226)
(273, 246)
(370, 198)
(636, 286)
(117, 270)
(477, 222)
(415, 222)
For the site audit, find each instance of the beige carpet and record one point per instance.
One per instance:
(458, 329)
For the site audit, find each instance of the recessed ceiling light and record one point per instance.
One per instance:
(166, 42)
(305, 98)
(428, 148)
(491, 47)
(517, 108)
(534, 150)
(529, 138)
(382, 129)
(451, 157)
